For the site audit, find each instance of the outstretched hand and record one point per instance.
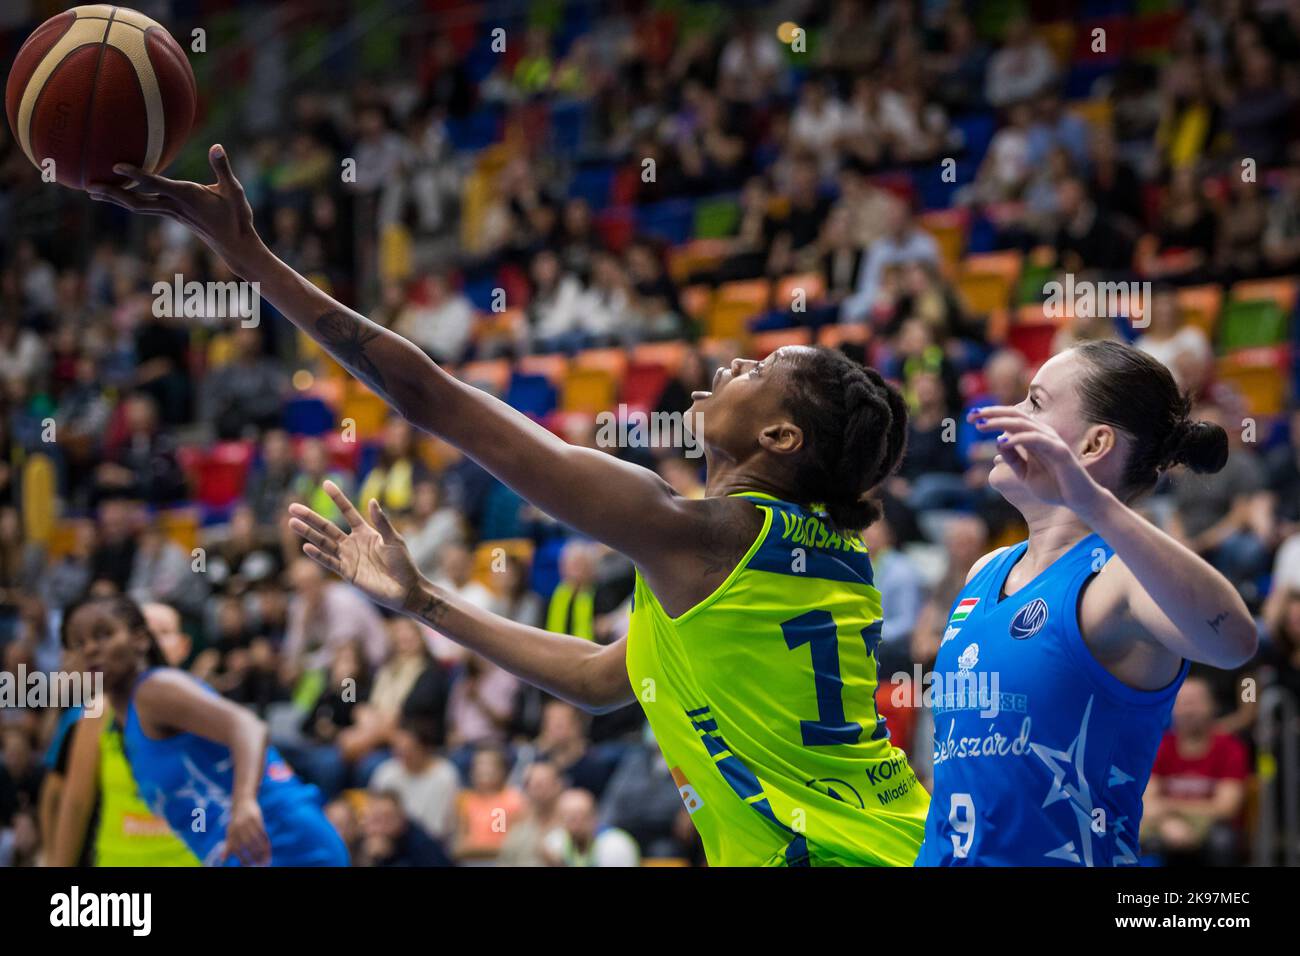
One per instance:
(219, 213)
(1039, 457)
(372, 556)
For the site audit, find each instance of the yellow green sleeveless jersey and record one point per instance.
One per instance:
(128, 833)
(762, 698)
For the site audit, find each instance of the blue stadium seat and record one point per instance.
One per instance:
(307, 416)
(671, 220)
(593, 184)
(977, 131)
(531, 394)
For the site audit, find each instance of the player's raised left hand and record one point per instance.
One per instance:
(1039, 457)
(219, 213)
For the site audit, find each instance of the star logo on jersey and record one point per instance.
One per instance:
(969, 658)
(1066, 764)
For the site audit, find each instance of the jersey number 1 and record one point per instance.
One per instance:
(818, 630)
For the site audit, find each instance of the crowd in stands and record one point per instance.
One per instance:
(627, 196)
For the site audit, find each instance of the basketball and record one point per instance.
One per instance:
(98, 85)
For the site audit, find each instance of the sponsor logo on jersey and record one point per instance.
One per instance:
(689, 797)
(949, 634)
(963, 609)
(1029, 620)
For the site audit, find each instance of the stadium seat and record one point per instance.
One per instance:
(763, 344)
(716, 218)
(671, 221)
(222, 473)
(833, 336)
(642, 385)
(588, 390)
(489, 553)
(343, 454)
(1251, 324)
(534, 395)
(811, 284)
(40, 497)
(492, 375)
(735, 304)
(365, 409)
(549, 365)
(1200, 305)
(1280, 291)
(611, 360)
(307, 415)
(699, 255)
(181, 526)
(1032, 340)
(948, 226)
(1258, 375)
(668, 355)
(696, 301)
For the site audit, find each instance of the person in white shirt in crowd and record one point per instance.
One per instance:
(431, 527)
(425, 781)
(323, 615)
(437, 318)
(1021, 69)
(903, 243)
(1180, 346)
(578, 842)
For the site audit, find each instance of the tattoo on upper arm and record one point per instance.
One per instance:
(346, 338)
(1217, 620)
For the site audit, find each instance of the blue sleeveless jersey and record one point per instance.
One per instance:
(1040, 754)
(186, 780)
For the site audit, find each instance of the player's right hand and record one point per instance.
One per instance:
(219, 213)
(372, 556)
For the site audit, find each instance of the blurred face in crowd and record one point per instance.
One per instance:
(560, 723)
(577, 564)
(306, 578)
(457, 564)
(1194, 708)
(277, 449)
(577, 813)
(425, 499)
(543, 785)
(383, 818)
(165, 625)
(488, 769)
(406, 637)
(966, 538)
(1004, 377)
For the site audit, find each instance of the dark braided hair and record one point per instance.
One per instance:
(854, 426)
(1130, 390)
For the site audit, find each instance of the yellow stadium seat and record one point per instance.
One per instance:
(1096, 112)
(366, 409)
(983, 292)
(588, 390)
(180, 525)
(948, 226)
(39, 498)
(489, 554)
(1256, 375)
(1059, 38)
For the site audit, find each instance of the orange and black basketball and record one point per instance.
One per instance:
(98, 85)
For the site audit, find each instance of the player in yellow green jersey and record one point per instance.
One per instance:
(760, 645)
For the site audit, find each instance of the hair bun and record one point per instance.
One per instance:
(1201, 446)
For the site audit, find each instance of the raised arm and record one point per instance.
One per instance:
(170, 701)
(627, 507)
(373, 557)
(1164, 589)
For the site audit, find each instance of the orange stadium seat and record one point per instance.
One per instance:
(812, 285)
(762, 344)
(181, 526)
(367, 411)
(735, 305)
(833, 336)
(588, 390)
(1200, 305)
(489, 553)
(669, 355)
(613, 361)
(1280, 291)
(948, 226)
(550, 366)
(493, 375)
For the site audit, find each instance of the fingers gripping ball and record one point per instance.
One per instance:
(98, 85)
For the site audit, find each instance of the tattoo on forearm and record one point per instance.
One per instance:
(1217, 620)
(427, 607)
(346, 339)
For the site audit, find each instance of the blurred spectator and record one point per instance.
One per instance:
(487, 809)
(426, 784)
(578, 841)
(1197, 789)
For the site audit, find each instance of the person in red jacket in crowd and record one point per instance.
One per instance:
(1194, 801)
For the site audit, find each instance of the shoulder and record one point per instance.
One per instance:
(979, 565)
(164, 684)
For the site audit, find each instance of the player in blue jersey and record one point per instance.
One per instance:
(200, 762)
(1056, 675)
